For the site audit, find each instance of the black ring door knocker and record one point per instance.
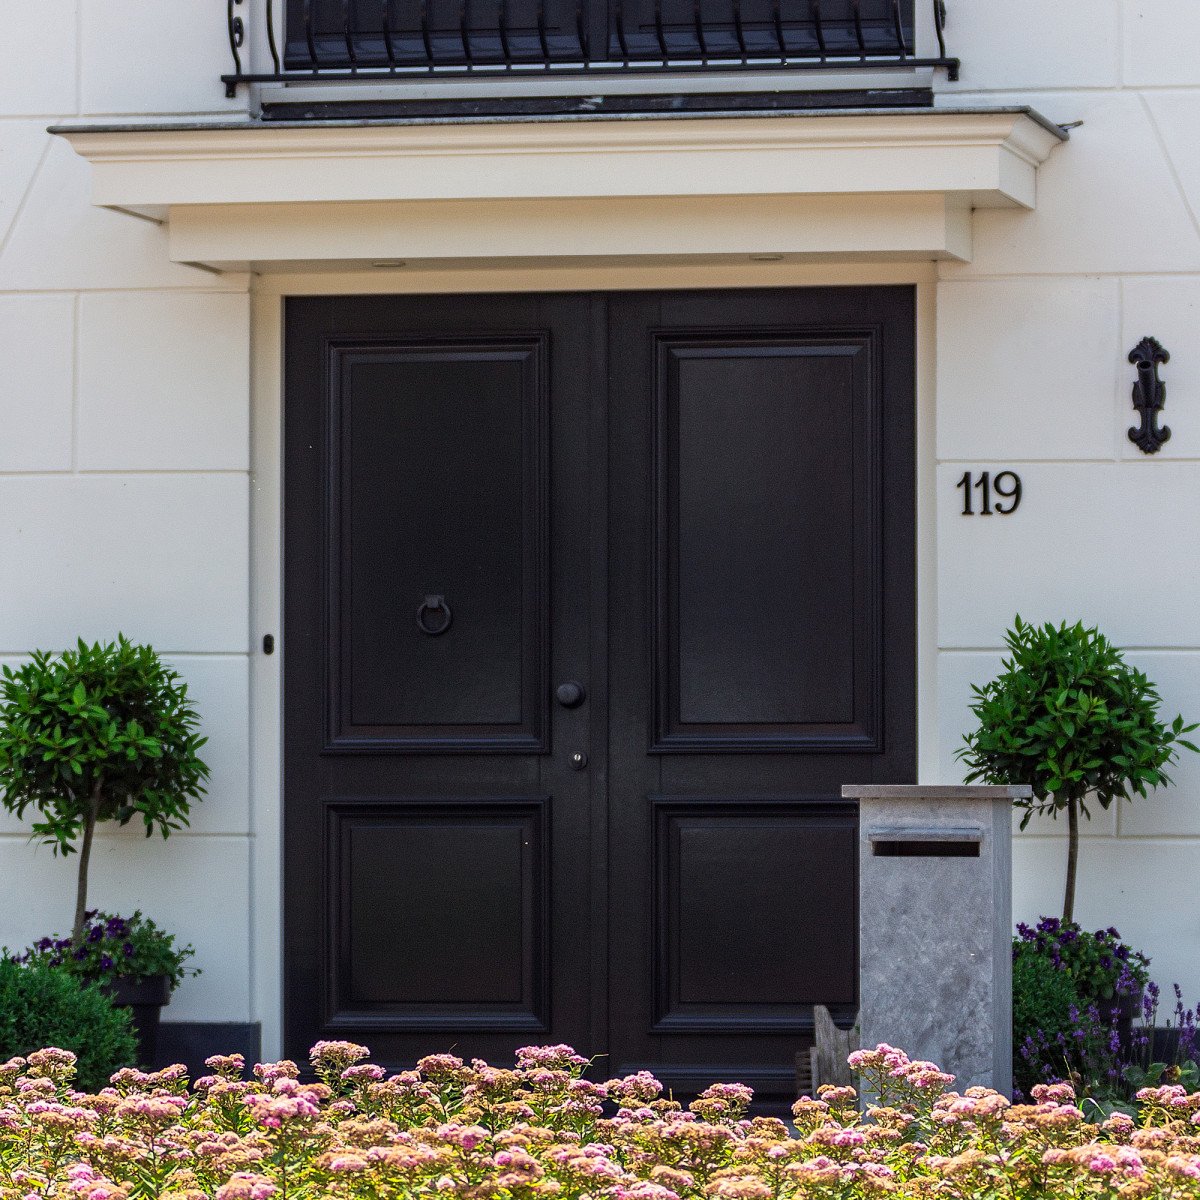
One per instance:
(428, 620)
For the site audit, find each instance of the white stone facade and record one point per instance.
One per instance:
(1032, 375)
(128, 500)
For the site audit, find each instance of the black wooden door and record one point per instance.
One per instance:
(592, 603)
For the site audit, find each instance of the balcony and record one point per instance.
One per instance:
(796, 43)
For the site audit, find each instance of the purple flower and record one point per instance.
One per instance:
(127, 949)
(106, 963)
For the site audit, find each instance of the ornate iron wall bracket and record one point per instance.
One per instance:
(1149, 395)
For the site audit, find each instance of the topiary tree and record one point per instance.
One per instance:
(100, 733)
(1070, 718)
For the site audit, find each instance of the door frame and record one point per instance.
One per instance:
(268, 292)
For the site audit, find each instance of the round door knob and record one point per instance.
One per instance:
(571, 694)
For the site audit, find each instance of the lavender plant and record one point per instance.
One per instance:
(1177, 1041)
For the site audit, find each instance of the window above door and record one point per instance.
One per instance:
(348, 50)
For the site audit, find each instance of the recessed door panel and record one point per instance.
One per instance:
(437, 534)
(438, 913)
(768, 587)
(791, 938)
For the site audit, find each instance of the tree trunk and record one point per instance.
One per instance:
(1072, 858)
(85, 854)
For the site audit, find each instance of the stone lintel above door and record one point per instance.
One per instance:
(879, 184)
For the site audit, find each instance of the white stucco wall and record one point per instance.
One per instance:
(1033, 338)
(125, 443)
(124, 458)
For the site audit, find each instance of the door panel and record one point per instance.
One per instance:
(773, 541)
(429, 833)
(699, 508)
(719, 861)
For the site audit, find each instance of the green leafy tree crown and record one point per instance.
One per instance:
(100, 733)
(1072, 719)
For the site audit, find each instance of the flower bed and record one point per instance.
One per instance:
(450, 1129)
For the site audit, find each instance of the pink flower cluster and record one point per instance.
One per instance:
(458, 1130)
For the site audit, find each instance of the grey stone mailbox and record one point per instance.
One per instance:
(935, 925)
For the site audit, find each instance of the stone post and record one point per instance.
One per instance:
(935, 925)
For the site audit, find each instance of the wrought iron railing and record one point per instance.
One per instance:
(395, 40)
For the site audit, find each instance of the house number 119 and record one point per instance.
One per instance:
(1006, 486)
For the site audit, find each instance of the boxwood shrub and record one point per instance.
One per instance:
(41, 1005)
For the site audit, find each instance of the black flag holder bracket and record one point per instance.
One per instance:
(1149, 395)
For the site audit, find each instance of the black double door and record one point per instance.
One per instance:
(592, 603)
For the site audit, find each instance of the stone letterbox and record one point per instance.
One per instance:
(935, 925)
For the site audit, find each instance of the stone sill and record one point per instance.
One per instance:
(935, 791)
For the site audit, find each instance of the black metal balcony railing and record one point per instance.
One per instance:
(393, 40)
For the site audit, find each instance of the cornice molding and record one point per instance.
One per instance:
(967, 158)
(249, 141)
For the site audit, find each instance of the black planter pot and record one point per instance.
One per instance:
(145, 999)
(1164, 1043)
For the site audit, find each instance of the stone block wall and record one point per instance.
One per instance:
(124, 457)
(1032, 376)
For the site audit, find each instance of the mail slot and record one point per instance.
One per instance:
(925, 843)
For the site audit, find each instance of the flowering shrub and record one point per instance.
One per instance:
(1100, 965)
(1073, 998)
(451, 1129)
(114, 946)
